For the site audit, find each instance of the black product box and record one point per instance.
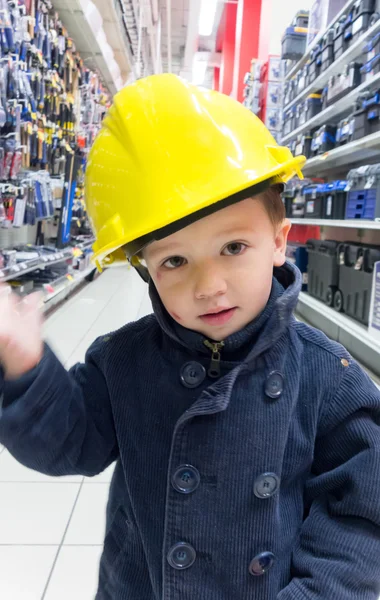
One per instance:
(335, 199)
(313, 106)
(323, 270)
(342, 83)
(328, 49)
(371, 68)
(361, 14)
(345, 130)
(324, 139)
(367, 115)
(302, 146)
(315, 64)
(356, 265)
(314, 197)
(340, 45)
(293, 44)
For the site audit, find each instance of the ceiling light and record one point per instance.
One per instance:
(207, 17)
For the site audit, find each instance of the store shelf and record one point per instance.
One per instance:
(338, 108)
(354, 336)
(349, 223)
(32, 265)
(317, 39)
(354, 152)
(64, 286)
(354, 51)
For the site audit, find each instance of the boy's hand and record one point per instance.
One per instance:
(21, 343)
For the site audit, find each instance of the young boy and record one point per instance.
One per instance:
(247, 445)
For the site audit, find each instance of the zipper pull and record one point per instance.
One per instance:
(215, 347)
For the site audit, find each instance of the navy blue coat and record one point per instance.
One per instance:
(261, 484)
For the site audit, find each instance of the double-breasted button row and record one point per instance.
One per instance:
(182, 556)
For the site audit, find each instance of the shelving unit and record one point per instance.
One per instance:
(354, 336)
(366, 148)
(65, 286)
(32, 265)
(317, 39)
(340, 108)
(349, 223)
(350, 54)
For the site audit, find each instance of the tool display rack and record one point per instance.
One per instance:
(331, 165)
(51, 107)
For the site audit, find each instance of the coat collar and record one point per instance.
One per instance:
(257, 336)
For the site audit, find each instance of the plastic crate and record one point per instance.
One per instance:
(314, 201)
(328, 49)
(334, 200)
(356, 264)
(323, 271)
(324, 139)
(340, 44)
(345, 130)
(293, 44)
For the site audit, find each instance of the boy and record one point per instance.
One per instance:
(247, 444)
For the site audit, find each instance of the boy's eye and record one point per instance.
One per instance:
(174, 262)
(234, 249)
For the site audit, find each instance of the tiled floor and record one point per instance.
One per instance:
(51, 529)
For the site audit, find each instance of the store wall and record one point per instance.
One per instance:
(278, 16)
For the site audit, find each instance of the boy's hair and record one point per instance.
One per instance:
(273, 203)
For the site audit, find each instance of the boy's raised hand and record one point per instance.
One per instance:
(21, 343)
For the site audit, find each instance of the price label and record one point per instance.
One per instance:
(2, 274)
(23, 266)
(15, 269)
(45, 259)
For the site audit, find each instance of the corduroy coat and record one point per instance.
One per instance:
(259, 483)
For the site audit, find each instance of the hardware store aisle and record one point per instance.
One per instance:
(51, 529)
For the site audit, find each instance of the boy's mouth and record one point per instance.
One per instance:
(218, 316)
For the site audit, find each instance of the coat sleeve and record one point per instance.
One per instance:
(59, 422)
(338, 554)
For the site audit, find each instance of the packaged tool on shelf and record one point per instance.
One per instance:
(313, 106)
(363, 199)
(342, 83)
(273, 119)
(345, 130)
(324, 139)
(293, 43)
(356, 264)
(328, 49)
(297, 254)
(314, 199)
(371, 48)
(334, 200)
(302, 145)
(366, 114)
(323, 271)
(289, 118)
(358, 20)
(371, 68)
(315, 63)
(340, 44)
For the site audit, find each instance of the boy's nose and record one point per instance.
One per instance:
(209, 283)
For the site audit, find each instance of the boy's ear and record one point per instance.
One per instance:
(281, 241)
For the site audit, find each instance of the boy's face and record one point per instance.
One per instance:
(215, 276)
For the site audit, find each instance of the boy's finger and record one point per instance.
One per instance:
(34, 301)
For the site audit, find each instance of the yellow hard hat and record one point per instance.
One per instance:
(170, 153)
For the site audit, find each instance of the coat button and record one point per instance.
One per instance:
(186, 479)
(274, 385)
(192, 374)
(181, 556)
(266, 485)
(261, 563)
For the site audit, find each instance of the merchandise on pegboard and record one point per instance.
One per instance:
(51, 108)
(272, 80)
(252, 81)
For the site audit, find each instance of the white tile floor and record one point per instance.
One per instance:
(51, 529)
